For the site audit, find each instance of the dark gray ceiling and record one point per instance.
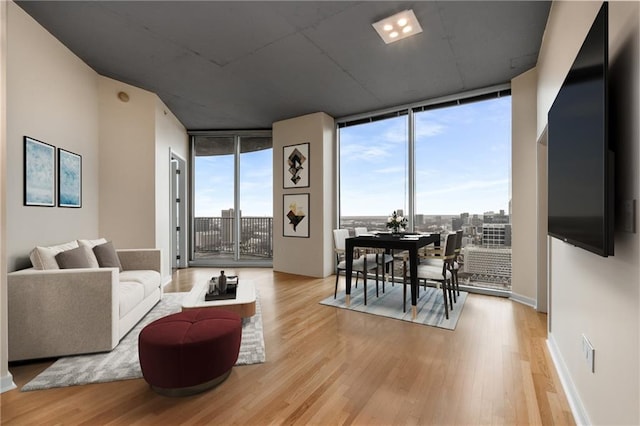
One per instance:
(245, 64)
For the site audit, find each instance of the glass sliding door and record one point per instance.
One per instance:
(232, 198)
(256, 198)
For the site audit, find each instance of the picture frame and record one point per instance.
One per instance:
(295, 161)
(295, 217)
(39, 173)
(69, 179)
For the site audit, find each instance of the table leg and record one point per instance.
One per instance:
(413, 264)
(348, 272)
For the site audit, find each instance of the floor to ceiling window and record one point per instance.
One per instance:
(447, 166)
(373, 171)
(232, 198)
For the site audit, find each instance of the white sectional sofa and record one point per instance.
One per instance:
(55, 312)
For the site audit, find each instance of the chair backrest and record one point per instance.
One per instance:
(458, 242)
(450, 246)
(339, 235)
(360, 230)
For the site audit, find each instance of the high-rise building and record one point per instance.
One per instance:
(226, 227)
(456, 223)
(488, 264)
(496, 235)
(491, 217)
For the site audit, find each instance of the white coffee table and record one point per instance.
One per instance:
(244, 304)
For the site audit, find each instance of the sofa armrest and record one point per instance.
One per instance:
(62, 312)
(140, 259)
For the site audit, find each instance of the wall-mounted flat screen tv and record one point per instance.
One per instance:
(580, 163)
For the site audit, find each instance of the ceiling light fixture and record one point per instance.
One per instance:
(399, 26)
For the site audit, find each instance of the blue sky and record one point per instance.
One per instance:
(214, 184)
(463, 159)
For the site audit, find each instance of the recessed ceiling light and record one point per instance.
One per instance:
(399, 26)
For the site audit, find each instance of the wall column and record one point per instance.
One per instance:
(311, 256)
(6, 380)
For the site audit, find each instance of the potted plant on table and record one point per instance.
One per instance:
(396, 223)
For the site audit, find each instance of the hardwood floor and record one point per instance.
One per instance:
(331, 366)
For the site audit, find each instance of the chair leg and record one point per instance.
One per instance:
(444, 299)
(451, 297)
(384, 266)
(404, 287)
(455, 273)
(453, 289)
(377, 277)
(364, 279)
(335, 292)
(393, 271)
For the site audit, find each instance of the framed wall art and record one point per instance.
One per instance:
(296, 166)
(69, 179)
(39, 173)
(295, 215)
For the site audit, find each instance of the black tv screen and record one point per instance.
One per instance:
(580, 164)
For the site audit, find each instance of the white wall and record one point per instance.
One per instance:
(311, 256)
(170, 136)
(135, 139)
(523, 199)
(52, 97)
(127, 165)
(592, 295)
(6, 379)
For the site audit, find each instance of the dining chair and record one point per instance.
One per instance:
(383, 260)
(456, 261)
(361, 265)
(439, 270)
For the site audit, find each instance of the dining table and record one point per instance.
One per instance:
(391, 242)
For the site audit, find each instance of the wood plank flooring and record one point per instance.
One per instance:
(329, 366)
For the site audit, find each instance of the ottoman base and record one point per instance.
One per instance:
(191, 390)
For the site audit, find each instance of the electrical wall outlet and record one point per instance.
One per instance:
(589, 353)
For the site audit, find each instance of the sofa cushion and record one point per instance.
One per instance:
(107, 256)
(74, 258)
(45, 257)
(150, 280)
(130, 295)
(90, 244)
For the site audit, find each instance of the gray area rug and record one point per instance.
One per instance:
(389, 304)
(122, 362)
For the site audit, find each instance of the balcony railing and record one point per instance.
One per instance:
(214, 235)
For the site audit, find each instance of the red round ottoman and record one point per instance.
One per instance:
(189, 352)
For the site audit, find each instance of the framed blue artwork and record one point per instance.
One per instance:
(39, 173)
(69, 179)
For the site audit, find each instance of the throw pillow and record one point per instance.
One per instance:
(45, 257)
(74, 258)
(107, 256)
(90, 244)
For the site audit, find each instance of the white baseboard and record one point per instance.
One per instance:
(577, 408)
(523, 299)
(166, 280)
(6, 383)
